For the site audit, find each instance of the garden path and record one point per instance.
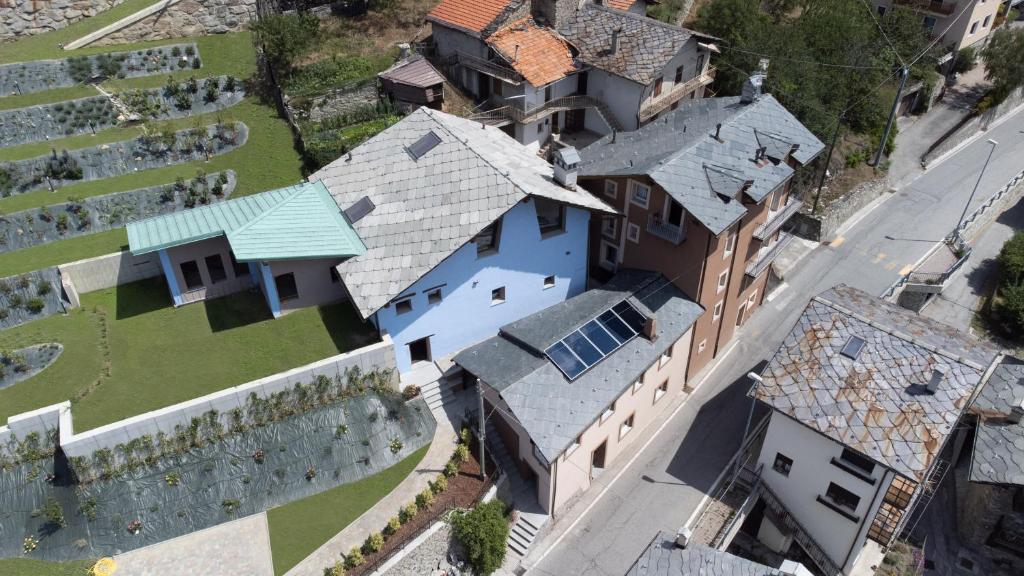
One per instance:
(237, 548)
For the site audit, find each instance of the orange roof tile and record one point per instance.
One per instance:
(472, 15)
(619, 4)
(542, 56)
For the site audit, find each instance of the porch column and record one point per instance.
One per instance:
(270, 289)
(254, 272)
(172, 280)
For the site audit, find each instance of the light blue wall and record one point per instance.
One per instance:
(465, 314)
(172, 280)
(269, 289)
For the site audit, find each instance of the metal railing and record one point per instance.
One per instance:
(766, 256)
(666, 231)
(488, 67)
(222, 288)
(666, 100)
(802, 536)
(507, 114)
(776, 220)
(933, 6)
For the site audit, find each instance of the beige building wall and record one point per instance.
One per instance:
(953, 29)
(314, 281)
(199, 251)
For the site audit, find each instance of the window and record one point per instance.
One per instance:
(434, 296)
(900, 492)
(884, 525)
(549, 282)
(425, 144)
(660, 391)
(550, 216)
(783, 464)
(723, 280)
(190, 271)
(286, 288)
(752, 300)
(638, 384)
(633, 233)
(852, 347)
(215, 268)
(240, 268)
(776, 201)
(842, 497)
(657, 86)
(858, 461)
(611, 188)
(547, 93)
(703, 344)
(403, 306)
(717, 312)
(666, 356)
(640, 194)
(334, 275)
(487, 239)
(540, 127)
(610, 227)
(679, 75)
(626, 426)
(987, 20)
(609, 255)
(730, 245)
(497, 296)
(974, 27)
(608, 413)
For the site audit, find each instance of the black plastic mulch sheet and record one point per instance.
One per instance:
(211, 479)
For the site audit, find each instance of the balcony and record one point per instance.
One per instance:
(935, 7)
(508, 114)
(767, 255)
(777, 219)
(666, 231)
(665, 100)
(493, 69)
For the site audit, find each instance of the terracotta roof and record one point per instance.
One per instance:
(471, 15)
(620, 4)
(542, 56)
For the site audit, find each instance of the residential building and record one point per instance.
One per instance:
(439, 231)
(546, 69)
(866, 398)
(572, 386)
(956, 23)
(704, 194)
(665, 557)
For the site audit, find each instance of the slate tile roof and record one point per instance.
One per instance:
(680, 153)
(553, 410)
(426, 208)
(472, 16)
(539, 54)
(998, 456)
(645, 45)
(878, 403)
(663, 558)
(413, 71)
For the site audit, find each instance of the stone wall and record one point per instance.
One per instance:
(28, 17)
(186, 18)
(822, 227)
(339, 102)
(972, 125)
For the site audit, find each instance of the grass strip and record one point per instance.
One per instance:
(31, 567)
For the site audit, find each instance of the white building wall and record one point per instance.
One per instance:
(811, 473)
(621, 96)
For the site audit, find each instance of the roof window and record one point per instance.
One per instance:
(425, 144)
(852, 347)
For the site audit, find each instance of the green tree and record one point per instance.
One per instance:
(483, 533)
(1011, 261)
(1010, 309)
(966, 59)
(1004, 61)
(285, 38)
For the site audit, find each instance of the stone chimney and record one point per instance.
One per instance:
(567, 166)
(938, 377)
(651, 328)
(752, 88)
(615, 41)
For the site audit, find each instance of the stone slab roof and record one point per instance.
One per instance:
(663, 558)
(680, 153)
(878, 403)
(414, 71)
(553, 410)
(538, 53)
(998, 456)
(426, 207)
(645, 45)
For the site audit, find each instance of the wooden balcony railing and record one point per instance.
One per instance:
(933, 6)
(664, 101)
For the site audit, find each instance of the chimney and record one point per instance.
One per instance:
(1016, 413)
(515, 55)
(752, 88)
(567, 166)
(404, 50)
(718, 131)
(650, 329)
(615, 40)
(938, 375)
(683, 537)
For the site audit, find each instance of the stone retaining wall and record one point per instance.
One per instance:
(28, 17)
(340, 101)
(972, 125)
(822, 227)
(186, 18)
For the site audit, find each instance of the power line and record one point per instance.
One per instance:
(939, 37)
(878, 24)
(801, 61)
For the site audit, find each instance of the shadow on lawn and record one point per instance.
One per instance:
(137, 298)
(346, 329)
(237, 310)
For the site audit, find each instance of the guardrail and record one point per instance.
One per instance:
(486, 66)
(676, 93)
(508, 114)
(775, 221)
(666, 231)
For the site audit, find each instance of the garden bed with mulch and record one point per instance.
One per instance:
(24, 363)
(29, 296)
(40, 75)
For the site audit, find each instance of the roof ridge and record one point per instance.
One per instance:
(899, 334)
(642, 19)
(686, 149)
(300, 188)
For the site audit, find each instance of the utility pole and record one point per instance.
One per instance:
(828, 160)
(904, 72)
(482, 436)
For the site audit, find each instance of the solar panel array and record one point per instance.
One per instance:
(595, 340)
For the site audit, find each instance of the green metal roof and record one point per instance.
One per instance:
(297, 222)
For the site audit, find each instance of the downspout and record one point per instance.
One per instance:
(874, 504)
(554, 486)
(700, 291)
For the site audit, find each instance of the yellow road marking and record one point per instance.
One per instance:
(879, 257)
(838, 241)
(906, 269)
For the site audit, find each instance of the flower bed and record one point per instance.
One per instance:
(29, 296)
(98, 213)
(117, 158)
(95, 113)
(24, 363)
(150, 489)
(40, 75)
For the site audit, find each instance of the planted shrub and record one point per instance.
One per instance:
(424, 499)
(229, 84)
(393, 525)
(212, 90)
(407, 513)
(192, 85)
(230, 505)
(62, 167)
(53, 512)
(43, 288)
(176, 51)
(410, 392)
(374, 542)
(310, 473)
(337, 570)
(190, 51)
(29, 544)
(439, 485)
(483, 533)
(88, 508)
(396, 445)
(354, 558)
(341, 430)
(461, 453)
(196, 64)
(35, 305)
(451, 468)
(172, 479)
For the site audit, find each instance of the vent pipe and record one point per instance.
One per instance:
(1016, 413)
(938, 375)
(615, 40)
(718, 131)
(650, 329)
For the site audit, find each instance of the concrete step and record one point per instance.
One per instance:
(520, 540)
(524, 537)
(516, 549)
(532, 521)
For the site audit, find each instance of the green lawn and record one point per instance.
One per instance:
(62, 251)
(27, 567)
(298, 528)
(154, 355)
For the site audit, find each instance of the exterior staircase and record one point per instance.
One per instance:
(524, 532)
(518, 493)
(437, 394)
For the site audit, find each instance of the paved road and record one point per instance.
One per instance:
(665, 484)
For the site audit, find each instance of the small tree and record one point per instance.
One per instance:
(286, 37)
(1011, 261)
(1010, 310)
(1004, 61)
(966, 59)
(483, 533)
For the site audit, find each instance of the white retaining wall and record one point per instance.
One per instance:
(109, 270)
(42, 421)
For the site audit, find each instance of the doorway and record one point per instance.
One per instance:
(675, 213)
(483, 83)
(574, 120)
(740, 314)
(597, 458)
(419, 350)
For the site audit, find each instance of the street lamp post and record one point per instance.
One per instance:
(976, 184)
(756, 379)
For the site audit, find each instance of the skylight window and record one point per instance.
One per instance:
(425, 144)
(852, 347)
(595, 340)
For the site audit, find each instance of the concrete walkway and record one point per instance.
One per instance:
(237, 548)
(376, 518)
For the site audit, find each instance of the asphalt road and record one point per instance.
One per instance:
(665, 484)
